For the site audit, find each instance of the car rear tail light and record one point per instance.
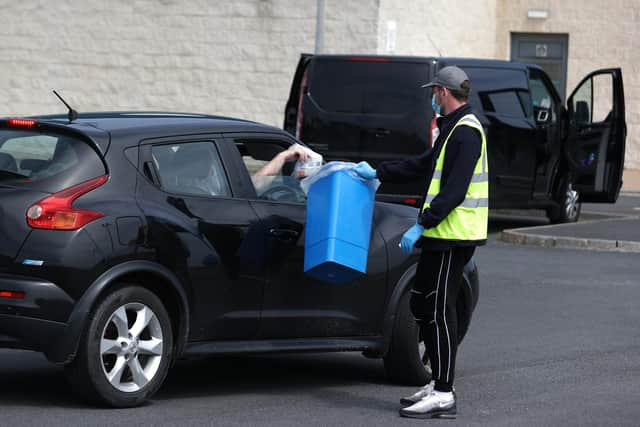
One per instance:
(12, 294)
(56, 211)
(25, 123)
(410, 201)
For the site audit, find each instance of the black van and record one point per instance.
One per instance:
(542, 154)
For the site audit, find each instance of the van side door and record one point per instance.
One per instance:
(596, 135)
(500, 98)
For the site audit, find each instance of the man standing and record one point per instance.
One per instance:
(452, 222)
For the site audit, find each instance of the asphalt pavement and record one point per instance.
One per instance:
(602, 227)
(554, 341)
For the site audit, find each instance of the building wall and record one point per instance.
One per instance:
(463, 28)
(237, 57)
(229, 57)
(601, 35)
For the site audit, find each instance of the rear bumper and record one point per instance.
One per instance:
(37, 321)
(31, 334)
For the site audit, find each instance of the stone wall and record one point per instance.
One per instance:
(460, 28)
(229, 57)
(237, 57)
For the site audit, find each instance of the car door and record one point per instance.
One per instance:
(198, 230)
(295, 305)
(596, 136)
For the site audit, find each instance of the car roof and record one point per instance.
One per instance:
(157, 123)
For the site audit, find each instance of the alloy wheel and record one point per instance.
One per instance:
(424, 357)
(571, 205)
(131, 347)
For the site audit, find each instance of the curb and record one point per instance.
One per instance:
(520, 236)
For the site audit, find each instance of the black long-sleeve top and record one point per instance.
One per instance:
(462, 153)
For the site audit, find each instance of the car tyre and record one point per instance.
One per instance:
(568, 206)
(125, 351)
(406, 361)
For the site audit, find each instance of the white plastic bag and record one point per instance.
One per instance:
(332, 167)
(308, 168)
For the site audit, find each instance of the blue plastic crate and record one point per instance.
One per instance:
(338, 230)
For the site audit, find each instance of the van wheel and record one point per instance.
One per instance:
(125, 352)
(568, 203)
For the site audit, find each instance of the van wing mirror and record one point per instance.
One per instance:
(582, 113)
(543, 115)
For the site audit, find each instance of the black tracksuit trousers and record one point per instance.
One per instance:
(433, 304)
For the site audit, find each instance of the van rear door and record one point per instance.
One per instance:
(354, 108)
(597, 133)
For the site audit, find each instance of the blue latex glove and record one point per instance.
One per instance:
(365, 170)
(410, 237)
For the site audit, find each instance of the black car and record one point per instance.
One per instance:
(542, 155)
(130, 240)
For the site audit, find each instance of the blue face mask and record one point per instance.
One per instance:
(436, 107)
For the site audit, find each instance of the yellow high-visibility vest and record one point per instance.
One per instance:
(469, 220)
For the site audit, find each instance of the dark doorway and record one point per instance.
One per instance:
(549, 51)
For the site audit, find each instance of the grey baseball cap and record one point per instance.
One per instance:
(450, 77)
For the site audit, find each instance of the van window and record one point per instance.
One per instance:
(367, 87)
(500, 91)
(46, 162)
(544, 109)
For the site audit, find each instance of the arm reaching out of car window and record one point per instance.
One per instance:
(295, 152)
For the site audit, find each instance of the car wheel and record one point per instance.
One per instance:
(406, 361)
(568, 203)
(125, 351)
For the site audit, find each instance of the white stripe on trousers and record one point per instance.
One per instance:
(435, 309)
(444, 313)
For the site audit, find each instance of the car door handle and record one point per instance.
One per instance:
(284, 234)
(382, 132)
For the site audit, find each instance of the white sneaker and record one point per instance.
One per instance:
(436, 404)
(418, 395)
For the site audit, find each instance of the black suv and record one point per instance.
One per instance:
(541, 154)
(133, 239)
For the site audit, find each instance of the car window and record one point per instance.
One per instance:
(366, 87)
(192, 168)
(282, 186)
(48, 162)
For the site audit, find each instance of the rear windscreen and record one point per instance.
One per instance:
(46, 162)
(364, 87)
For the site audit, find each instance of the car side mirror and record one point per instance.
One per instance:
(543, 115)
(581, 115)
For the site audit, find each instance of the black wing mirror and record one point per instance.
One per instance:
(581, 115)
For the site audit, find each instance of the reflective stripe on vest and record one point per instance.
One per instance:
(468, 221)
